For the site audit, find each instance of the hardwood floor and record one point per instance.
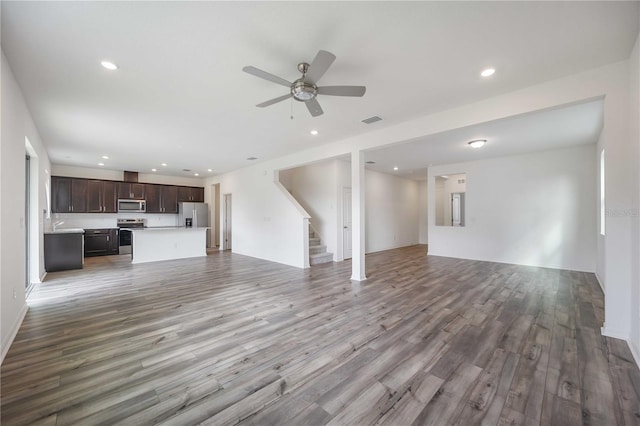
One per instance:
(229, 339)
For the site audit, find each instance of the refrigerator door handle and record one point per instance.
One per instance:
(195, 218)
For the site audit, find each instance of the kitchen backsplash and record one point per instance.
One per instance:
(106, 220)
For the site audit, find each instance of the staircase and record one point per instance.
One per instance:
(317, 252)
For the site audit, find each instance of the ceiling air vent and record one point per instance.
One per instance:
(370, 162)
(186, 170)
(371, 119)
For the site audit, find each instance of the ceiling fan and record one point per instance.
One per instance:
(305, 88)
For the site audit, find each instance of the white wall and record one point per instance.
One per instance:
(391, 209)
(314, 187)
(423, 216)
(91, 173)
(535, 209)
(16, 125)
(267, 222)
(634, 119)
(391, 212)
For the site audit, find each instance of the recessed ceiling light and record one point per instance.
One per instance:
(395, 168)
(488, 72)
(154, 170)
(478, 143)
(209, 170)
(314, 132)
(196, 174)
(100, 164)
(109, 65)
(164, 164)
(106, 157)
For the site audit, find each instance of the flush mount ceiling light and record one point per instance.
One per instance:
(209, 170)
(196, 174)
(488, 72)
(106, 157)
(395, 168)
(154, 170)
(478, 143)
(164, 164)
(109, 65)
(314, 132)
(100, 164)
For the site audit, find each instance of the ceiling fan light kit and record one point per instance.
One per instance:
(305, 88)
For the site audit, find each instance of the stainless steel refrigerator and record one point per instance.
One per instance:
(196, 213)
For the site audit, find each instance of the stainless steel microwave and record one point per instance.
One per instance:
(132, 206)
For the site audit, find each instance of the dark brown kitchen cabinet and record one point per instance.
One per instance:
(190, 194)
(114, 240)
(131, 191)
(100, 242)
(68, 195)
(101, 196)
(161, 198)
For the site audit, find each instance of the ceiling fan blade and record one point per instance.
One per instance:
(263, 74)
(342, 90)
(314, 107)
(320, 65)
(274, 101)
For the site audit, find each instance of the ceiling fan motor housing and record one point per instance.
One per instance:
(303, 91)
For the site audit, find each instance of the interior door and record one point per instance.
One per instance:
(227, 222)
(346, 223)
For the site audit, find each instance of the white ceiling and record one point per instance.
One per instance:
(180, 95)
(563, 127)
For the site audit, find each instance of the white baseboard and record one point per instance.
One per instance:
(14, 331)
(615, 333)
(599, 281)
(635, 351)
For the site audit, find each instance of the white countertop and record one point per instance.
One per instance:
(166, 228)
(66, 231)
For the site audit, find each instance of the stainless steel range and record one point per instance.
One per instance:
(125, 237)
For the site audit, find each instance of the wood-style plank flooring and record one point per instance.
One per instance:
(230, 339)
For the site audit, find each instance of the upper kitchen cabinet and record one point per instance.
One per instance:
(190, 194)
(161, 198)
(101, 196)
(68, 195)
(131, 191)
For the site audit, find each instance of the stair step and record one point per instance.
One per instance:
(317, 249)
(314, 241)
(315, 259)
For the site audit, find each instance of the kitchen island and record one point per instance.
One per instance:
(166, 243)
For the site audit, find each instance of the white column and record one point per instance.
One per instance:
(357, 212)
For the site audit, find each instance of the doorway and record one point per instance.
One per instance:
(215, 229)
(457, 209)
(346, 223)
(27, 222)
(226, 232)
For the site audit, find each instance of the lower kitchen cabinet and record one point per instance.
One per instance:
(100, 242)
(62, 251)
